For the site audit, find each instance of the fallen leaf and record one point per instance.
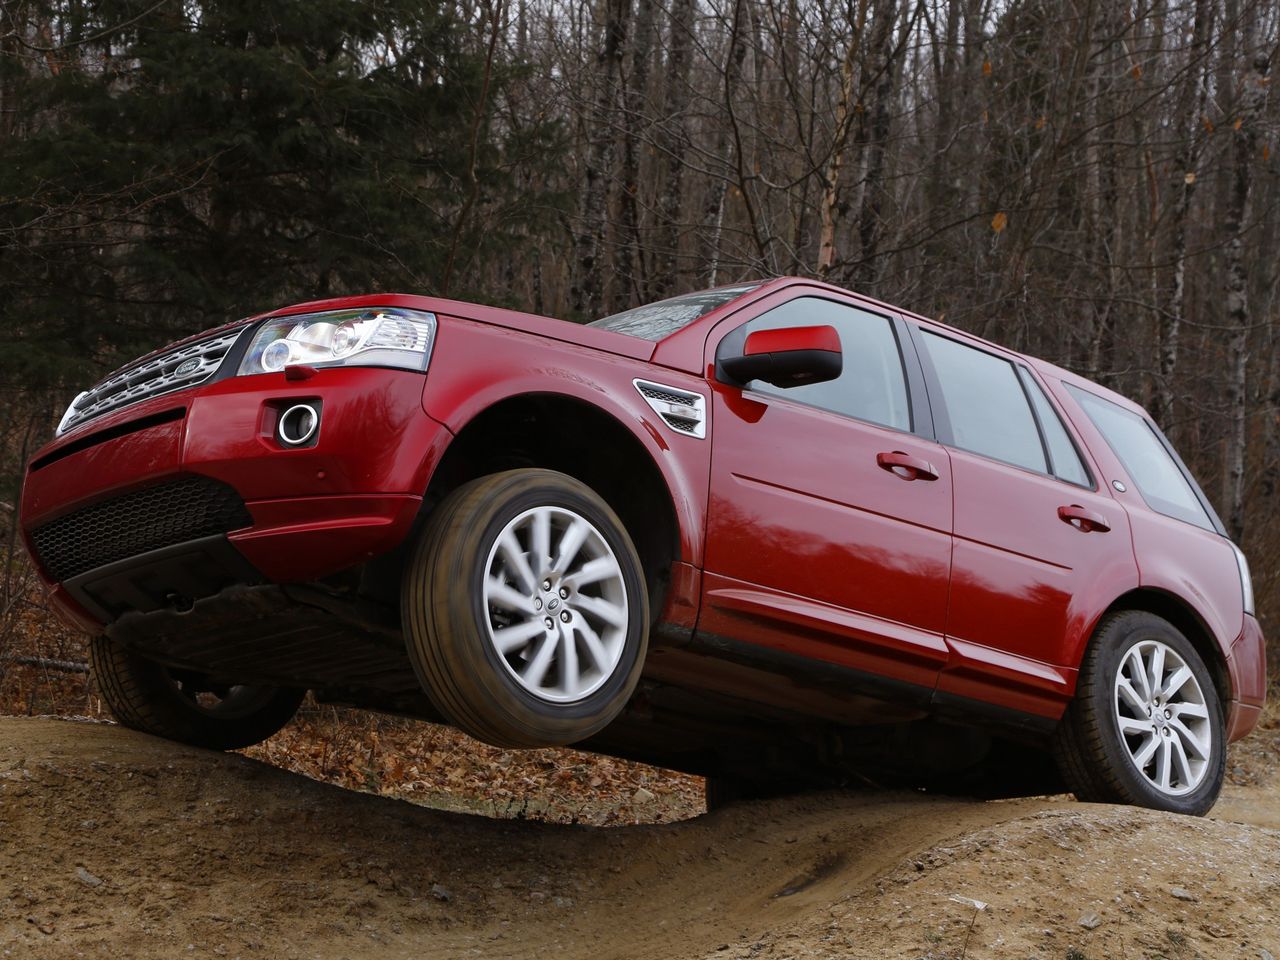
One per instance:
(999, 221)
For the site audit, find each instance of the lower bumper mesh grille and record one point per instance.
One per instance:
(135, 523)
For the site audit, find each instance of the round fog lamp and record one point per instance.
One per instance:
(298, 424)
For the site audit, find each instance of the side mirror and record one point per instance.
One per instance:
(787, 357)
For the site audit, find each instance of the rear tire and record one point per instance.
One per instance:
(1146, 725)
(525, 611)
(181, 705)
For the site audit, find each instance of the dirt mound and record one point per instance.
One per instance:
(113, 844)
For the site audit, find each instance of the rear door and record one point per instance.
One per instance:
(816, 545)
(1035, 537)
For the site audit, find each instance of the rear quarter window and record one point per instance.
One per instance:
(1137, 443)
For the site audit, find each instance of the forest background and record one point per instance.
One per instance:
(1092, 181)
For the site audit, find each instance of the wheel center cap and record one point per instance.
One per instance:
(553, 603)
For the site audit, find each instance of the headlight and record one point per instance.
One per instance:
(1246, 581)
(379, 337)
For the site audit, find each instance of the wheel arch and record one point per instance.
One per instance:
(551, 430)
(1188, 622)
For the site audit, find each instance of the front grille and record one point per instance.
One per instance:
(135, 523)
(177, 369)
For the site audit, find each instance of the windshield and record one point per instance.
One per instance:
(653, 321)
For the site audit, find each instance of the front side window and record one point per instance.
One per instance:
(872, 385)
(654, 321)
(1135, 441)
(985, 403)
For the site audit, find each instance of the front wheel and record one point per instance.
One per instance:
(525, 610)
(1146, 726)
(184, 705)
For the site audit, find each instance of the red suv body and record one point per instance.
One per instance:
(930, 538)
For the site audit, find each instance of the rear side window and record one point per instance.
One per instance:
(985, 403)
(1159, 478)
(1066, 464)
(872, 385)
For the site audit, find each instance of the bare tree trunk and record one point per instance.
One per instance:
(671, 203)
(1191, 108)
(587, 292)
(1244, 151)
(882, 79)
(713, 211)
(631, 255)
(845, 115)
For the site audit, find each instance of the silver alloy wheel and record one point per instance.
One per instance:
(556, 604)
(1163, 717)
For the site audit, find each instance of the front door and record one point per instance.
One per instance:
(829, 520)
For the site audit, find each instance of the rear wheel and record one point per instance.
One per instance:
(185, 705)
(525, 610)
(1146, 726)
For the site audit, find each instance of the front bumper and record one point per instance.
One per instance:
(307, 512)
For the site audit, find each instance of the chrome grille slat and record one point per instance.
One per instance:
(154, 378)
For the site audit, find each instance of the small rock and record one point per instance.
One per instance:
(562, 902)
(537, 896)
(1182, 893)
(642, 795)
(1265, 954)
(440, 893)
(87, 878)
(918, 865)
(1090, 921)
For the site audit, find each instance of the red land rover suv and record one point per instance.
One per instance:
(770, 533)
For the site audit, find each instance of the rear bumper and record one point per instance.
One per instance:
(1247, 671)
(307, 512)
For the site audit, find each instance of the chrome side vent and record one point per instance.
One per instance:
(682, 411)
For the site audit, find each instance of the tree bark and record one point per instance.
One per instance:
(1244, 149)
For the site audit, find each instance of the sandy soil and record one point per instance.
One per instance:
(113, 844)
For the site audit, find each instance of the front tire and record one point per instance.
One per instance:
(184, 705)
(1146, 726)
(525, 610)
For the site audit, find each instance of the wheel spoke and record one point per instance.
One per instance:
(1157, 669)
(510, 549)
(1181, 764)
(511, 639)
(1196, 711)
(1164, 764)
(602, 568)
(610, 613)
(534, 673)
(1146, 751)
(570, 675)
(595, 647)
(1138, 674)
(1130, 696)
(1131, 728)
(501, 594)
(540, 541)
(1177, 680)
(570, 544)
(1188, 739)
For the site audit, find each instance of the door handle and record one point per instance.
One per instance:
(906, 467)
(1086, 521)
